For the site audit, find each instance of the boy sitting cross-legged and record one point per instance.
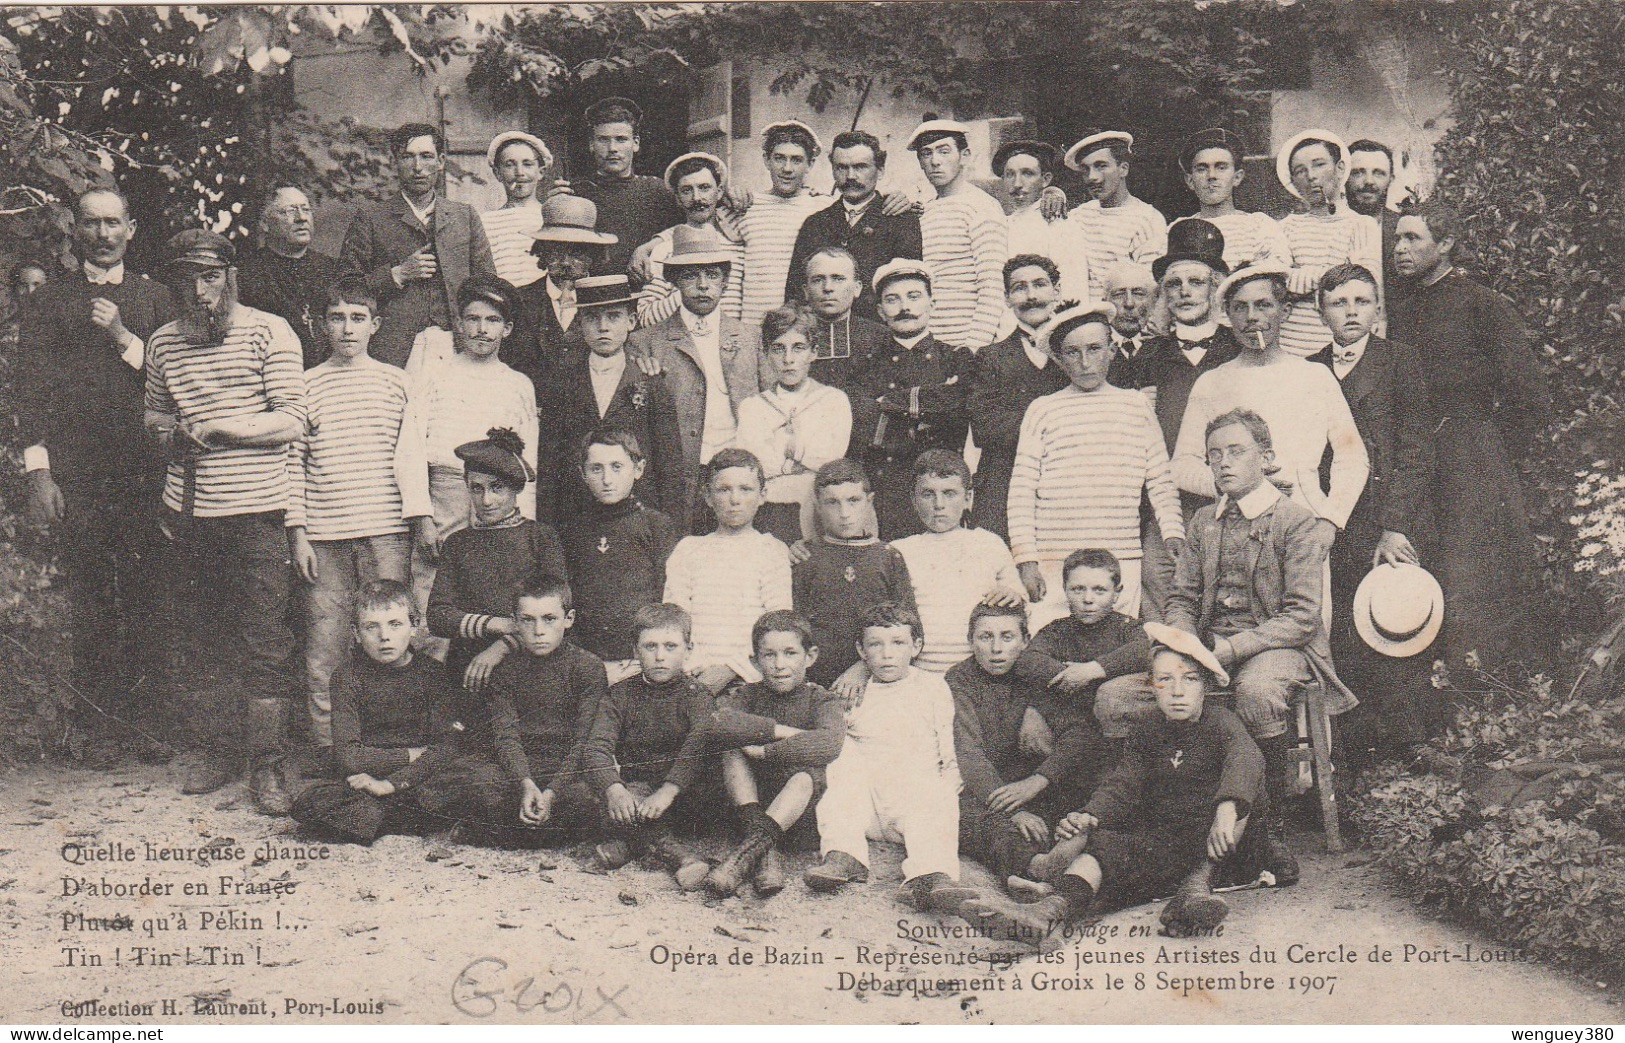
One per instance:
(1176, 805)
(392, 727)
(845, 570)
(778, 735)
(647, 750)
(896, 777)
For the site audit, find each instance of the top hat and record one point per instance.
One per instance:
(1192, 239)
(1398, 609)
(569, 218)
(1099, 139)
(1189, 645)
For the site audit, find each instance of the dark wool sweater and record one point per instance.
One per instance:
(617, 558)
(746, 715)
(649, 733)
(633, 209)
(987, 732)
(1118, 643)
(480, 572)
(542, 708)
(833, 586)
(379, 712)
(1174, 774)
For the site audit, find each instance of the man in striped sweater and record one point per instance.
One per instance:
(225, 396)
(964, 239)
(698, 179)
(770, 223)
(358, 488)
(1115, 225)
(1085, 455)
(1211, 160)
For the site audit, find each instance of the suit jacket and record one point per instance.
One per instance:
(539, 343)
(75, 393)
(383, 236)
(1388, 395)
(744, 367)
(641, 405)
(874, 240)
(1006, 384)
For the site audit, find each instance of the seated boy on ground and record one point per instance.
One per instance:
(896, 778)
(646, 756)
(392, 727)
(616, 549)
(777, 736)
(1176, 805)
(1092, 647)
(846, 569)
(544, 699)
(1012, 798)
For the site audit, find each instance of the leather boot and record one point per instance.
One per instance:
(730, 873)
(1052, 863)
(1028, 923)
(937, 893)
(1194, 907)
(689, 868)
(769, 879)
(215, 770)
(1274, 854)
(267, 724)
(835, 871)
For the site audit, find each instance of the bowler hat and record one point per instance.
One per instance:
(1189, 645)
(1398, 609)
(201, 248)
(1192, 239)
(692, 247)
(569, 218)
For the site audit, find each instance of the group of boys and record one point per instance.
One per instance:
(626, 642)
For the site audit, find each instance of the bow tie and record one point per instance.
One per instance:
(1346, 358)
(702, 326)
(105, 279)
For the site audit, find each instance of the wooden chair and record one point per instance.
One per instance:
(1315, 749)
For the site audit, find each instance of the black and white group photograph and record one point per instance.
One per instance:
(1019, 512)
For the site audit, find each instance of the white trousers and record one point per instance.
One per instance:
(872, 798)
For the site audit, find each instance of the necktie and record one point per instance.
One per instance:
(702, 326)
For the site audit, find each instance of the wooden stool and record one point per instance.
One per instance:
(1315, 726)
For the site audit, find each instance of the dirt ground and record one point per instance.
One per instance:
(415, 930)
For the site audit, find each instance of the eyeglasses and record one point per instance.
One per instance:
(1235, 452)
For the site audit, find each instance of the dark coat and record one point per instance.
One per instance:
(642, 405)
(1006, 384)
(383, 236)
(295, 288)
(75, 394)
(1387, 394)
(539, 343)
(743, 367)
(874, 240)
(833, 366)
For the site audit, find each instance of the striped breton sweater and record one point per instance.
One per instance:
(259, 367)
(1319, 243)
(1249, 237)
(509, 231)
(726, 582)
(1134, 231)
(769, 229)
(360, 469)
(1082, 459)
(965, 243)
(952, 572)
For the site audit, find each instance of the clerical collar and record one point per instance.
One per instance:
(1439, 275)
(1252, 504)
(1195, 333)
(113, 276)
(911, 341)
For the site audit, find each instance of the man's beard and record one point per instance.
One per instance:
(1361, 206)
(210, 325)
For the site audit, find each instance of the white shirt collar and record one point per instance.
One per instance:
(691, 322)
(1029, 345)
(1341, 353)
(600, 365)
(422, 215)
(1193, 333)
(861, 207)
(910, 342)
(1254, 503)
(113, 276)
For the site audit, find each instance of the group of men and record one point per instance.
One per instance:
(1392, 393)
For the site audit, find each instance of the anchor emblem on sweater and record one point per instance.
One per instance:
(851, 574)
(1177, 759)
(603, 544)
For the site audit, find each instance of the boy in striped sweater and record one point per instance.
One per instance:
(358, 488)
(1085, 455)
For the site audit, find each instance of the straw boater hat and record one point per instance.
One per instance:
(1283, 158)
(508, 137)
(595, 291)
(199, 248)
(899, 268)
(1063, 321)
(1249, 272)
(1192, 239)
(691, 247)
(1189, 645)
(718, 167)
(1398, 609)
(817, 146)
(932, 129)
(1099, 139)
(569, 218)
